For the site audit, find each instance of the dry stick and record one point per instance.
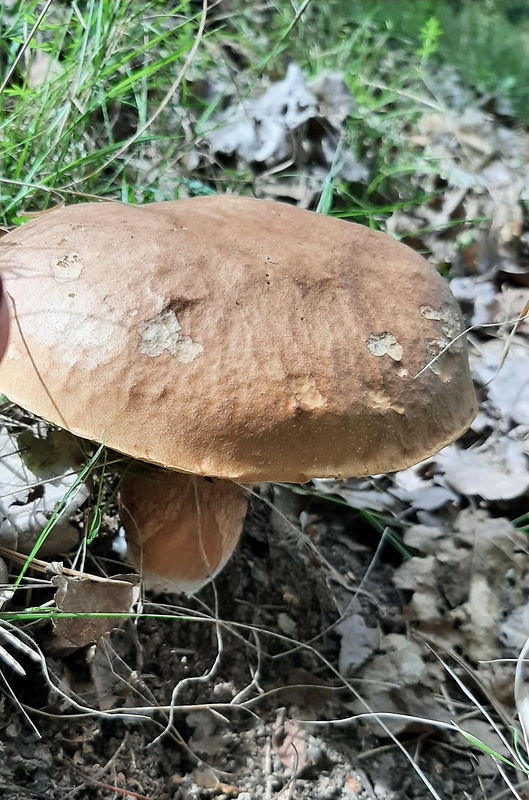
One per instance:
(44, 566)
(268, 769)
(522, 317)
(290, 784)
(109, 787)
(101, 771)
(255, 673)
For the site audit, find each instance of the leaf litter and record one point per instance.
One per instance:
(37, 469)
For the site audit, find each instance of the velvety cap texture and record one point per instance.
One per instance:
(232, 337)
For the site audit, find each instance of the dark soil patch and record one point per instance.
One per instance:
(280, 588)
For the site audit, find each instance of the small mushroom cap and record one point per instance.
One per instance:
(236, 338)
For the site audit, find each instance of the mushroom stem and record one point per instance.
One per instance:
(181, 529)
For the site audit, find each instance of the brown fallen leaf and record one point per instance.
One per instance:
(87, 597)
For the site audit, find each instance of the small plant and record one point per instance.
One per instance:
(430, 33)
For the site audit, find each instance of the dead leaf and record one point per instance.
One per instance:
(290, 742)
(86, 596)
(413, 487)
(36, 473)
(497, 470)
(336, 102)
(427, 606)
(514, 629)
(508, 387)
(521, 434)
(398, 681)
(457, 585)
(258, 128)
(357, 493)
(358, 642)
(425, 539)
(481, 294)
(267, 128)
(512, 303)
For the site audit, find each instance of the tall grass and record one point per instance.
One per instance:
(75, 108)
(102, 71)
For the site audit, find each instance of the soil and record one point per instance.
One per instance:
(255, 662)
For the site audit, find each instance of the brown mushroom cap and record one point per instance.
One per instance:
(236, 338)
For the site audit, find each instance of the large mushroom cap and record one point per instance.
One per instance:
(235, 338)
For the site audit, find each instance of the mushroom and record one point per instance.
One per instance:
(229, 338)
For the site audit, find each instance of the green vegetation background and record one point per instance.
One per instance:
(85, 133)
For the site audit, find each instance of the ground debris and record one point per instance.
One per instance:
(456, 581)
(95, 603)
(293, 121)
(37, 470)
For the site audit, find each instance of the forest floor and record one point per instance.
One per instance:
(364, 641)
